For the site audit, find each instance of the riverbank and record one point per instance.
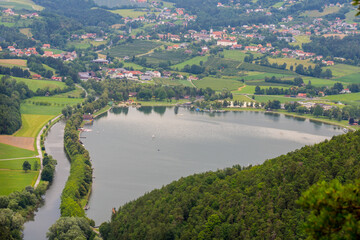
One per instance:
(343, 123)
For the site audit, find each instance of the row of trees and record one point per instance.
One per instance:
(15, 72)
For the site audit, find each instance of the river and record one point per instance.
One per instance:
(134, 151)
(47, 214)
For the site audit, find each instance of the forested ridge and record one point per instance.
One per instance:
(258, 202)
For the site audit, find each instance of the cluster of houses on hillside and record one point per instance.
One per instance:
(66, 56)
(10, 12)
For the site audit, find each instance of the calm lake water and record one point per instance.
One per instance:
(134, 151)
(47, 214)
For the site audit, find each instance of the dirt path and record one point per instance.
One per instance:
(240, 88)
(21, 142)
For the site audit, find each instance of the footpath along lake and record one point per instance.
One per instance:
(134, 151)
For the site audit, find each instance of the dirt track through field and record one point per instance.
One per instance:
(21, 142)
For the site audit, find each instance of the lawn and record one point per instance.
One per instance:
(196, 60)
(31, 124)
(129, 13)
(55, 51)
(132, 48)
(291, 62)
(17, 164)
(352, 98)
(16, 180)
(8, 151)
(218, 84)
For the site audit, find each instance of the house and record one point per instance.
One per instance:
(302, 95)
(84, 76)
(226, 43)
(56, 78)
(145, 77)
(36, 76)
(88, 118)
(344, 91)
(100, 61)
(45, 46)
(190, 78)
(251, 48)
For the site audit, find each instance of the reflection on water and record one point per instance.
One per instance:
(145, 148)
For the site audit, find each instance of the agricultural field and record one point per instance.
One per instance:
(26, 32)
(226, 66)
(352, 98)
(129, 12)
(55, 51)
(72, 94)
(168, 81)
(319, 82)
(316, 13)
(218, 84)
(351, 78)
(132, 65)
(132, 49)
(250, 76)
(13, 62)
(341, 70)
(34, 84)
(21, 4)
(239, 55)
(173, 57)
(31, 124)
(78, 44)
(17, 163)
(16, 180)
(47, 105)
(242, 98)
(258, 68)
(196, 60)
(351, 16)
(8, 151)
(300, 39)
(291, 62)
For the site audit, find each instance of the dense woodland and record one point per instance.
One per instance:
(255, 202)
(348, 47)
(11, 93)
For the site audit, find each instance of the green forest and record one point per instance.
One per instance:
(305, 193)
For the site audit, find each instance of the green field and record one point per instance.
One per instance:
(8, 151)
(53, 106)
(169, 82)
(319, 82)
(129, 13)
(34, 84)
(352, 98)
(132, 48)
(242, 98)
(218, 84)
(291, 62)
(282, 99)
(79, 44)
(16, 180)
(21, 4)
(72, 94)
(132, 65)
(31, 124)
(300, 39)
(226, 66)
(316, 13)
(340, 70)
(239, 55)
(196, 60)
(55, 51)
(17, 164)
(351, 16)
(173, 57)
(351, 78)
(261, 76)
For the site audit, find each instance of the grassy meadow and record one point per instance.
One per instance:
(16, 180)
(132, 48)
(196, 60)
(31, 124)
(8, 151)
(218, 84)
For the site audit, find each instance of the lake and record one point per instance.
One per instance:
(134, 151)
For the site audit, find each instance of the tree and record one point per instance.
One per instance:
(334, 210)
(318, 111)
(11, 224)
(70, 228)
(26, 166)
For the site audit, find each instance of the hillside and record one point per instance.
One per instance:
(258, 202)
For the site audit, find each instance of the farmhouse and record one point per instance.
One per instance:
(226, 43)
